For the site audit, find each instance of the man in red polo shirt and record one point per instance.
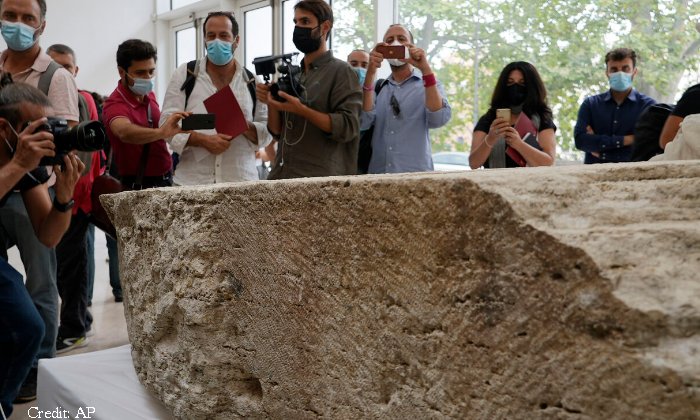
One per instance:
(131, 115)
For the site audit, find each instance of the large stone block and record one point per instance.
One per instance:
(530, 293)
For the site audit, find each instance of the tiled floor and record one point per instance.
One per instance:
(109, 323)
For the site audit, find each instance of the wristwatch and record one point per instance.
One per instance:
(63, 207)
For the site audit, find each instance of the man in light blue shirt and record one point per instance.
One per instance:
(411, 102)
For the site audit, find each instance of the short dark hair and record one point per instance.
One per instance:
(619, 54)
(318, 8)
(407, 30)
(42, 7)
(62, 49)
(234, 23)
(12, 95)
(135, 50)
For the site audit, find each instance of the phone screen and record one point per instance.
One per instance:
(199, 122)
(503, 113)
(392, 51)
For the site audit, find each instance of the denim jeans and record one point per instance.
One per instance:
(21, 332)
(39, 266)
(113, 254)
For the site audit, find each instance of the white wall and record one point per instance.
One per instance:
(94, 29)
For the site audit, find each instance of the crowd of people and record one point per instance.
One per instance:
(344, 121)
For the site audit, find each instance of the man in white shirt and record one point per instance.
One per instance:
(208, 157)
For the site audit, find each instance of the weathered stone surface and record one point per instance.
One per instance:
(541, 293)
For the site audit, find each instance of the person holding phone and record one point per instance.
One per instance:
(411, 102)
(205, 155)
(131, 115)
(518, 129)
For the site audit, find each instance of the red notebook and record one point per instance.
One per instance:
(229, 117)
(528, 132)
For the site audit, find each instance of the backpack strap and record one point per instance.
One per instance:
(379, 85)
(190, 80)
(45, 78)
(192, 70)
(251, 88)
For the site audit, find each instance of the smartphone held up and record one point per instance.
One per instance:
(393, 51)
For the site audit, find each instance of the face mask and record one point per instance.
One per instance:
(304, 41)
(219, 52)
(516, 94)
(393, 61)
(17, 35)
(361, 73)
(142, 87)
(620, 81)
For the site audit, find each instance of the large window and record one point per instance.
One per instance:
(185, 45)
(288, 26)
(175, 4)
(257, 38)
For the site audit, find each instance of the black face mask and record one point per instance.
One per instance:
(516, 94)
(304, 41)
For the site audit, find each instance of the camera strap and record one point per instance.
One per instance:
(144, 154)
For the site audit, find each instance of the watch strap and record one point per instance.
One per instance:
(61, 207)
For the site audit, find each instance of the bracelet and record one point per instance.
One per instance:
(429, 80)
(367, 88)
(490, 146)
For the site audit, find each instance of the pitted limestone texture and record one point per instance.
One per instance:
(548, 293)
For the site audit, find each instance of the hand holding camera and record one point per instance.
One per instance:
(67, 175)
(33, 145)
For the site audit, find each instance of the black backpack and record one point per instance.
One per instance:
(648, 130)
(364, 155)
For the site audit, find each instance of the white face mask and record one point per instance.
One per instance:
(393, 61)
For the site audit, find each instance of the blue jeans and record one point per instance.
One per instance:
(21, 331)
(113, 254)
(39, 265)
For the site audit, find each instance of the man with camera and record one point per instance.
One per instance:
(131, 115)
(409, 104)
(23, 22)
(25, 141)
(208, 157)
(318, 132)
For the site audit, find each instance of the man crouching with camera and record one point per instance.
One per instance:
(318, 132)
(24, 143)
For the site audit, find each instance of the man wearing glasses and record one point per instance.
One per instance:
(318, 133)
(409, 104)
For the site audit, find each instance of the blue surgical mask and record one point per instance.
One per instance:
(142, 87)
(17, 35)
(361, 73)
(620, 81)
(219, 52)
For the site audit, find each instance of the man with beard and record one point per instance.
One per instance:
(317, 132)
(410, 103)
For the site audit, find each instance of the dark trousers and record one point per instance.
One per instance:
(21, 332)
(72, 276)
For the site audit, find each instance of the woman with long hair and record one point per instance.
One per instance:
(527, 138)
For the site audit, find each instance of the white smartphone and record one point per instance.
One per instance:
(503, 113)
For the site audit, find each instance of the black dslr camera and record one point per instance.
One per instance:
(87, 136)
(288, 82)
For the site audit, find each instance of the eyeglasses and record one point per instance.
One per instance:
(395, 105)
